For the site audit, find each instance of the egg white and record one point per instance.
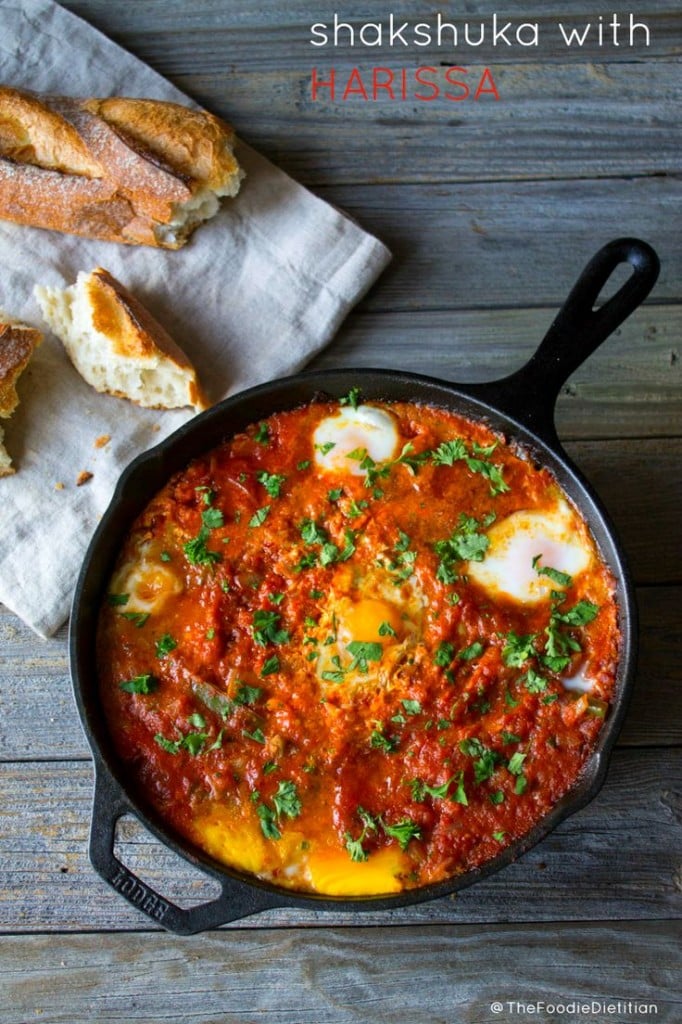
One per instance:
(367, 427)
(148, 583)
(557, 536)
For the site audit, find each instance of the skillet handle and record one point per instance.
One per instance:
(235, 900)
(578, 329)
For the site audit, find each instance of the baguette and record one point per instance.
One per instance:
(17, 344)
(136, 171)
(116, 344)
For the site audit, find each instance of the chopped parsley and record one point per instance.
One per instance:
(118, 599)
(266, 628)
(286, 800)
(269, 666)
(212, 518)
(165, 556)
(247, 695)
(386, 629)
(193, 742)
(465, 544)
(259, 516)
(445, 652)
(412, 707)
(324, 449)
(262, 434)
(562, 579)
(335, 494)
(497, 797)
(164, 645)
(518, 649)
(140, 684)
(485, 758)
(196, 551)
(352, 398)
(449, 452)
(404, 831)
(533, 682)
(257, 735)
(137, 618)
(474, 650)
(363, 653)
(272, 482)
(268, 822)
(378, 740)
(499, 835)
(515, 763)
(304, 464)
(421, 789)
(509, 737)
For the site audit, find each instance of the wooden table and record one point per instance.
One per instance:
(491, 209)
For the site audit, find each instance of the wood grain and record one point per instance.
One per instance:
(168, 34)
(325, 976)
(627, 843)
(613, 119)
(508, 244)
(630, 387)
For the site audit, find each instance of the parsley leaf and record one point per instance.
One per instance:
(286, 800)
(196, 551)
(138, 618)
(355, 848)
(352, 398)
(449, 452)
(465, 544)
(268, 822)
(247, 695)
(269, 666)
(560, 578)
(379, 741)
(403, 831)
(445, 652)
(272, 482)
(118, 599)
(518, 649)
(140, 684)
(421, 789)
(212, 518)
(362, 653)
(257, 735)
(259, 516)
(533, 682)
(386, 629)
(579, 615)
(164, 645)
(515, 763)
(412, 707)
(262, 434)
(474, 650)
(266, 628)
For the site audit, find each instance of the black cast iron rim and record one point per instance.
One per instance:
(521, 406)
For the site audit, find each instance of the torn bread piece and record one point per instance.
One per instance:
(116, 344)
(137, 171)
(17, 344)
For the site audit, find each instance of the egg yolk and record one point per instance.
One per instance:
(363, 620)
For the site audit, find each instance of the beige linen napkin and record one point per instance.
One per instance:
(257, 292)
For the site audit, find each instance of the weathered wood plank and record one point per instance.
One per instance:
(568, 121)
(617, 858)
(38, 718)
(631, 387)
(341, 976)
(168, 34)
(508, 244)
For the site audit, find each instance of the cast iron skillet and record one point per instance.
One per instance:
(521, 406)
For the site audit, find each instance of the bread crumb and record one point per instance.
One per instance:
(102, 440)
(59, 486)
(83, 477)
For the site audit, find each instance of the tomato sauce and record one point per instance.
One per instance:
(306, 677)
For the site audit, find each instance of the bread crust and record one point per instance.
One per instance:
(17, 344)
(123, 170)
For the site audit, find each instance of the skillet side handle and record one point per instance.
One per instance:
(530, 393)
(235, 900)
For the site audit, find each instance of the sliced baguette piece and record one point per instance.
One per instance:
(17, 344)
(141, 172)
(116, 344)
